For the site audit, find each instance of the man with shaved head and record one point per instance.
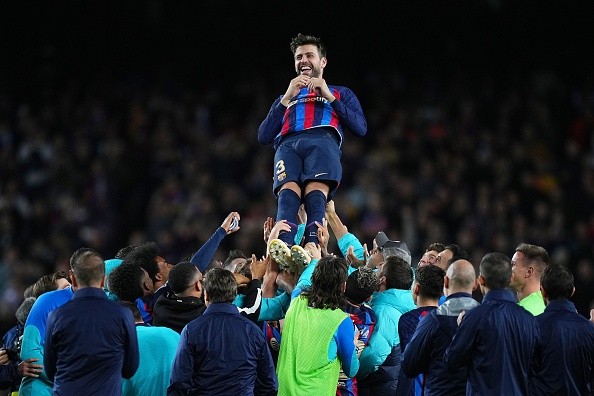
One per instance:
(424, 353)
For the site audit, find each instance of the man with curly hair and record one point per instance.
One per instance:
(306, 127)
(318, 336)
(360, 286)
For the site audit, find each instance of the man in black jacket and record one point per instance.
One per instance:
(184, 302)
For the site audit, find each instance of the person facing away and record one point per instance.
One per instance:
(90, 342)
(528, 263)
(360, 286)
(306, 127)
(565, 365)
(318, 336)
(424, 352)
(426, 291)
(157, 347)
(495, 341)
(32, 346)
(222, 352)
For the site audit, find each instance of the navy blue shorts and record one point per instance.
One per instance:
(308, 156)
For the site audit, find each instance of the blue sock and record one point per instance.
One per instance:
(315, 207)
(288, 207)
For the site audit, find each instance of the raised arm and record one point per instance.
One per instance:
(205, 254)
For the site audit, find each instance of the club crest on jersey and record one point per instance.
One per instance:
(280, 177)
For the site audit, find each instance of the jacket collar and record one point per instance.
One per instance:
(89, 292)
(499, 295)
(222, 308)
(560, 305)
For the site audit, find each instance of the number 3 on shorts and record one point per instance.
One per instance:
(280, 167)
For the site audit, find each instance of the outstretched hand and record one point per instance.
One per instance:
(267, 227)
(352, 260)
(228, 222)
(258, 267)
(281, 225)
(323, 236)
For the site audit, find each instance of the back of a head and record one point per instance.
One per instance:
(182, 276)
(398, 273)
(145, 255)
(88, 268)
(557, 282)
(134, 308)
(220, 286)
(327, 282)
(23, 310)
(126, 282)
(123, 252)
(430, 281)
(496, 269)
(537, 256)
(360, 285)
(462, 276)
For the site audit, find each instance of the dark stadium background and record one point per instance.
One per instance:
(179, 88)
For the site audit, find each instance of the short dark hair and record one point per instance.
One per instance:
(85, 271)
(496, 268)
(302, 39)
(78, 253)
(145, 255)
(457, 253)
(47, 283)
(536, 255)
(430, 280)
(398, 273)
(125, 281)
(23, 310)
(233, 254)
(220, 285)
(134, 308)
(557, 281)
(436, 246)
(327, 282)
(182, 276)
(360, 285)
(123, 252)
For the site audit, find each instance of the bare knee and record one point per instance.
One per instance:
(291, 186)
(319, 186)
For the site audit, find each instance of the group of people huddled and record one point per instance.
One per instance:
(301, 321)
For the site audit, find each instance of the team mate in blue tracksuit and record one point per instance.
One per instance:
(565, 364)
(306, 126)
